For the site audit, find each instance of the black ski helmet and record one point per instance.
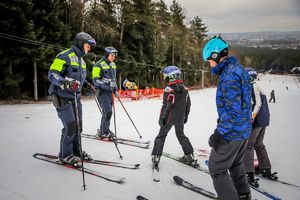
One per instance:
(82, 38)
(110, 50)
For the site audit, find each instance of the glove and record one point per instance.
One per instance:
(72, 85)
(215, 139)
(185, 119)
(112, 84)
(91, 87)
(162, 122)
(116, 93)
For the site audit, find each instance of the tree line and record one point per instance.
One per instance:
(148, 34)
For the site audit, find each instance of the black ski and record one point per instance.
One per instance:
(101, 162)
(86, 170)
(130, 143)
(198, 167)
(278, 181)
(194, 188)
(139, 197)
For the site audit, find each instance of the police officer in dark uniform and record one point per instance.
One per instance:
(67, 75)
(104, 78)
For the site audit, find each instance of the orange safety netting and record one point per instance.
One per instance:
(137, 94)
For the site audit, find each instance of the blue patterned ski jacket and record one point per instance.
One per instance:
(233, 100)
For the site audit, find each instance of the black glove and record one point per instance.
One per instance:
(90, 87)
(72, 85)
(215, 139)
(186, 119)
(162, 121)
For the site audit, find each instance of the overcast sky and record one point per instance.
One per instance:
(223, 16)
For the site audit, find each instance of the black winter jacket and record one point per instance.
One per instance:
(176, 104)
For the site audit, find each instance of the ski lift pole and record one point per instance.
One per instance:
(79, 135)
(129, 117)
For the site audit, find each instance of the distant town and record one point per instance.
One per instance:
(268, 39)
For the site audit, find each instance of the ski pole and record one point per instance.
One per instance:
(79, 140)
(115, 125)
(129, 117)
(97, 102)
(114, 110)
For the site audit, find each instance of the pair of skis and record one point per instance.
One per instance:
(130, 142)
(54, 159)
(260, 190)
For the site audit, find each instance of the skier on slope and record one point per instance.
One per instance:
(261, 119)
(174, 111)
(104, 78)
(229, 140)
(67, 75)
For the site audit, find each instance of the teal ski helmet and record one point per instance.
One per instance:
(215, 49)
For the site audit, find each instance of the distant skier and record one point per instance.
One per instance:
(174, 111)
(229, 139)
(272, 96)
(261, 119)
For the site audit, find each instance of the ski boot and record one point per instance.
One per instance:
(190, 160)
(155, 161)
(71, 160)
(155, 168)
(245, 196)
(266, 173)
(252, 180)
(85, 156)
(109, 135)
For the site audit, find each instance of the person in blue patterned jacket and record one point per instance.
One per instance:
(229, 139)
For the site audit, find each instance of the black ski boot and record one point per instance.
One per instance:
(155, 168)
(190, 160)
(85, 156)
(155, 161)
(71, 160)
(266, 173)
(245, 196)
(252, 180)
(110, 135)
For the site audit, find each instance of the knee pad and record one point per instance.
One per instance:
(71, 128)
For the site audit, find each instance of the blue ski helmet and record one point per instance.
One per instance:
(252, 73)
(82, 38)
(110, 50)
(215, 49)
(171, 72)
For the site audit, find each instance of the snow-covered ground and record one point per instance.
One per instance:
(26, 129)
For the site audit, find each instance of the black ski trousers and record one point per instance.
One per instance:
(161, 137)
